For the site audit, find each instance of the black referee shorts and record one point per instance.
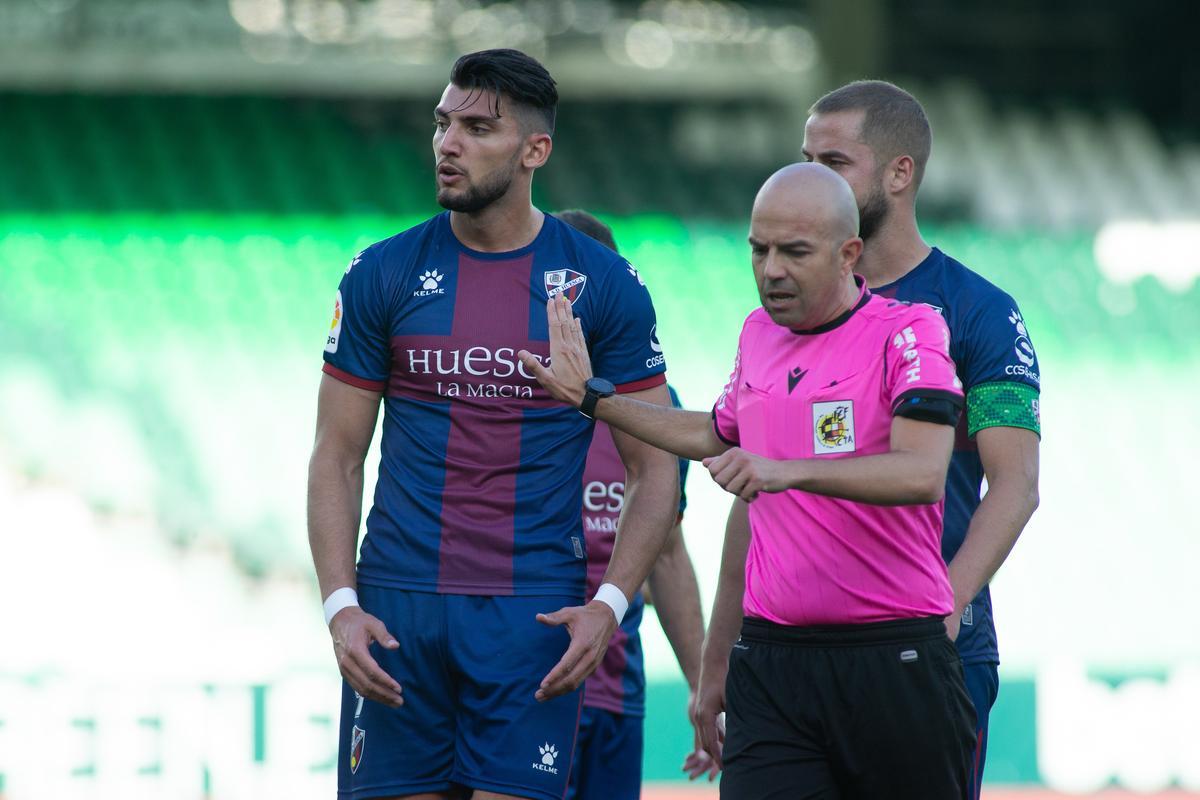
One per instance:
(876, 711)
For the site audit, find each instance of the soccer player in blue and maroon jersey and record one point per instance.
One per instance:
(608, 753)
(877, 137)
(441, 632)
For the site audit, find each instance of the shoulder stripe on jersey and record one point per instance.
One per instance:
(644, 383)
(354, 380)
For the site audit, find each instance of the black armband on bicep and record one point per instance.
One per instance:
(926, 405)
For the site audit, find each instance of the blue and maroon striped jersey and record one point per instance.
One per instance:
(480, 479)
(999, 371)
(619, 683)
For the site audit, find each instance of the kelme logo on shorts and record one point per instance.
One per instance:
(548, 754)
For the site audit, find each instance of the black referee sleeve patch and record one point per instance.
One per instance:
(940, 408)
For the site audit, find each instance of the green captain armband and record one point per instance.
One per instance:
(1003, 404)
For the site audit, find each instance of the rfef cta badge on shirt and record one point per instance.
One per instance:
(833, 427)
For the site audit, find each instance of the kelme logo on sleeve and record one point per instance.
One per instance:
(833, 427)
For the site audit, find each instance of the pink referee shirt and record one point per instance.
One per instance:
(830, 393)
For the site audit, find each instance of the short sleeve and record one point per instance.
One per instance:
(683, 462)
(625, 346)
(999, 367)
(724, 413)
(920, 378)
(357, 348)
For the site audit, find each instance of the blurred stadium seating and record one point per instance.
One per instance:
(167, 263)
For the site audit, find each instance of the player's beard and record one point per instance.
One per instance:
(873, 213)
(476, 198)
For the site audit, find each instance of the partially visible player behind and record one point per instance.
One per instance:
(608, 750)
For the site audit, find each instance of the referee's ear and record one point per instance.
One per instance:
(849, 253)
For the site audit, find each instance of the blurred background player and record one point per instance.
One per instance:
(475, 528)
(877, 137)
(608, 750)
(838, 423)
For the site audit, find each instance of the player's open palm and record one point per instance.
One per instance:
(570, 364)
(591, 628)
(353, 630)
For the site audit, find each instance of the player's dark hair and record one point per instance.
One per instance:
(894, 123)
(586, 223)
(514, 75)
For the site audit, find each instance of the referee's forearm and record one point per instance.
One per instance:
(687, 434)
(887, 479)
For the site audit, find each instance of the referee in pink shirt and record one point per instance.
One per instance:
(837, 426)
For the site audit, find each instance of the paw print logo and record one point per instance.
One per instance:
(633, 271)
(549, 753)
(430, 279)
(1015, 319)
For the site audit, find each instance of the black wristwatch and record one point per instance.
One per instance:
(594, 389)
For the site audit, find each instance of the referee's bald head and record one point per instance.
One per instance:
(811, 194)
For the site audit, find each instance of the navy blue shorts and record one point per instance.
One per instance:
(468, 667)
(983, 683)
(608, 757)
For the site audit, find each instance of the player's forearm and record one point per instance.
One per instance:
(673, 584)
(687, 434)
(334, 511)
(887, 479)
(726, 621)
(993, 532)
(650, 508)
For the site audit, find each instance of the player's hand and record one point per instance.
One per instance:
(353, 630)
(745, 474)
(591, 628)
(709, 722)
(953, 625)
(700, 762)
(570, 365)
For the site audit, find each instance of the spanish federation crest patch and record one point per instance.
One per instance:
(358, 742)
(833, 427)
(565, 281)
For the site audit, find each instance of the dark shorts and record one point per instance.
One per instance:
(468, 667)
(849, 711)
(983, 684)
(608, 757)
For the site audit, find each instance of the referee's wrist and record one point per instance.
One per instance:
(337, 600)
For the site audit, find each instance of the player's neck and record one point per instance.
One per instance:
(893, 251)
(508, 224)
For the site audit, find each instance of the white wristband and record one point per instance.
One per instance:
(337, 600)
(614, 598)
